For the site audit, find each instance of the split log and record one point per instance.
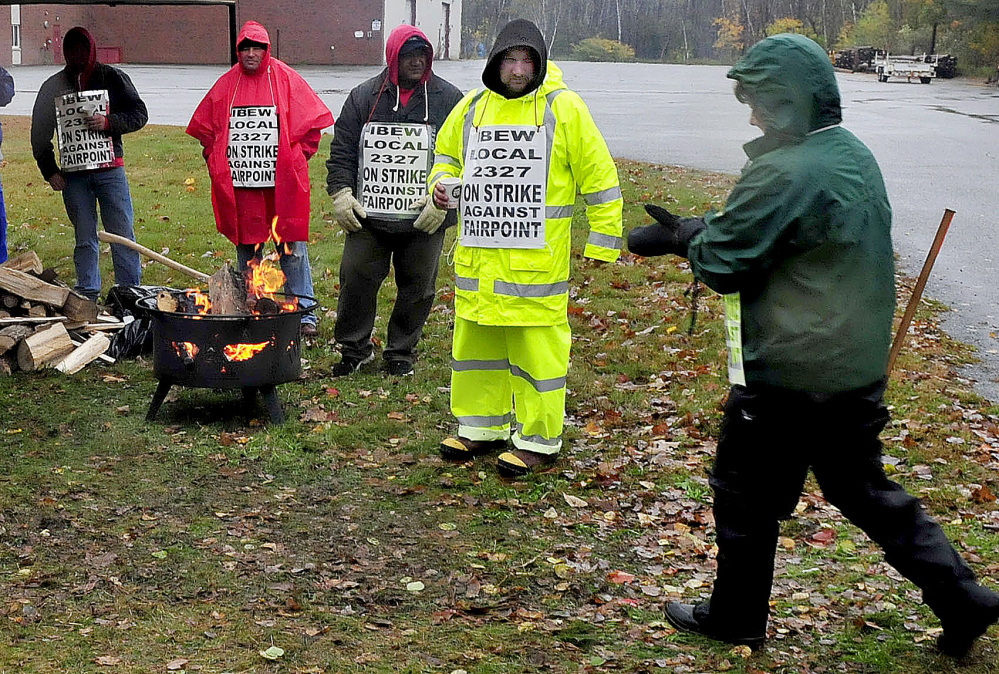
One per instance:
(103, 357)
(4, 314)
(37, 311)
(8, 363)
(78, 308)
(166, 301)
(11, 335)
(89, 351)
(44, 347)
(24, 319)
(27, 261)
(28, 287)
(227, 291)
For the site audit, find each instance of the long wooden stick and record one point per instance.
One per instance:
(152, 255)
(917, 291)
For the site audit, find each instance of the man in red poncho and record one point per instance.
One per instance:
(259, 125)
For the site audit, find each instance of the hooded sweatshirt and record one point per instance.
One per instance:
(244, 216)
(378, 100)
(805, 235)
(530, 286)
(127, 112)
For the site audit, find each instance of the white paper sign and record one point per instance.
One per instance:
(395, 160)
(733, 338)
(81, 149)
(253, 145)
(504, 189)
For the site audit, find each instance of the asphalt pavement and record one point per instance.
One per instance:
(937, 144)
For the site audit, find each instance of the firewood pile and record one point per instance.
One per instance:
(45, 324)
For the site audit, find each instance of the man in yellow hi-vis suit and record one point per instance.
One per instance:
(524, 147)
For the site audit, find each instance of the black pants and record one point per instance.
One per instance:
(365, 265)
(770, 438)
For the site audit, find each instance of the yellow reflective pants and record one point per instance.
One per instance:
(502, 374)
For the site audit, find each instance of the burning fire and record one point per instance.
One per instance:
(264, 280)
(241, 352)
(186, 350)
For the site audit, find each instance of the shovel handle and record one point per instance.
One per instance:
(152, 255)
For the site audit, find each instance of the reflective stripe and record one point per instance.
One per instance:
(472, 365)
(437, 176)
(486, 422)
(539, 385)
(550, 127)
(604, 240)
(465, 283)
(603, 196)
(530, 289)
(556, 212)
(446, 159)
(537, 439)
(470, 120)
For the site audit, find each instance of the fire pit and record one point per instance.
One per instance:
(253, 352)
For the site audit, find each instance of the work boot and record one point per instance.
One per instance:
(463, 449)
(684, 618)
(962, 629)
(522, 462)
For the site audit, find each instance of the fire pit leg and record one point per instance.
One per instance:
(161, 393)
(272, 403)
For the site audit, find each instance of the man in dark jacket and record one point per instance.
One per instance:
(803, 252)
(96, 104)
(381, 152)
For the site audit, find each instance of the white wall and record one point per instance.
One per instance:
(430, 19)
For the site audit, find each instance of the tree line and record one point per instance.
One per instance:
(693, 31)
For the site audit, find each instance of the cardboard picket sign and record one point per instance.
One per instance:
(81, 149)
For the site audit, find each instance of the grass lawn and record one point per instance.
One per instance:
(210, 541)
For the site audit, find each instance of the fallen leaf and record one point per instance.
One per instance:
(415, 586)
(107, 660)
(177, 664)
(272, 653)
(620, 577)
(575, 501)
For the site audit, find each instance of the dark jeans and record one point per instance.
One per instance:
(367, 255)
(84, 191)
(770, 438)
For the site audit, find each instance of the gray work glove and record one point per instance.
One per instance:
(346, 209)
(429, 221)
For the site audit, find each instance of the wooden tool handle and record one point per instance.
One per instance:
(152, 255)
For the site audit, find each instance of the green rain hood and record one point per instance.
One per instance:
(805, 235)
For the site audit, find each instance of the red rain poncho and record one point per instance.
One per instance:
(300, 129)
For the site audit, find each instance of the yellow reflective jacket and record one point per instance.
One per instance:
(529, 287)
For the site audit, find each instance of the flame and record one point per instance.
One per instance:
(185, 350)
(202, 302)
(240, 352)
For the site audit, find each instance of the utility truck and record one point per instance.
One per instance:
(923, 68)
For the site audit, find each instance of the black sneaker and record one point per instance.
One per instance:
(682, 617)
(348, 365)
(400, 368)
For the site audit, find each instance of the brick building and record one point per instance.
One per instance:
(319, 32)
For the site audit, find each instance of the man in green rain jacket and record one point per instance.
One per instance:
(524, 147)
(803, 253)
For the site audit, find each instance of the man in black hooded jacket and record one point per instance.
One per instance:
(85, 179)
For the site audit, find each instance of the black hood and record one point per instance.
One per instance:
(518, 33)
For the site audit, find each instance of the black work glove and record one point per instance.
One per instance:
(669, 236)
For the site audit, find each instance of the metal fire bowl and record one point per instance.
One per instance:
(278, 363)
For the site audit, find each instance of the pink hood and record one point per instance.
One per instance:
(252, 30)
(394, 43)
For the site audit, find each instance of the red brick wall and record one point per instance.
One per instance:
(301, 31)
